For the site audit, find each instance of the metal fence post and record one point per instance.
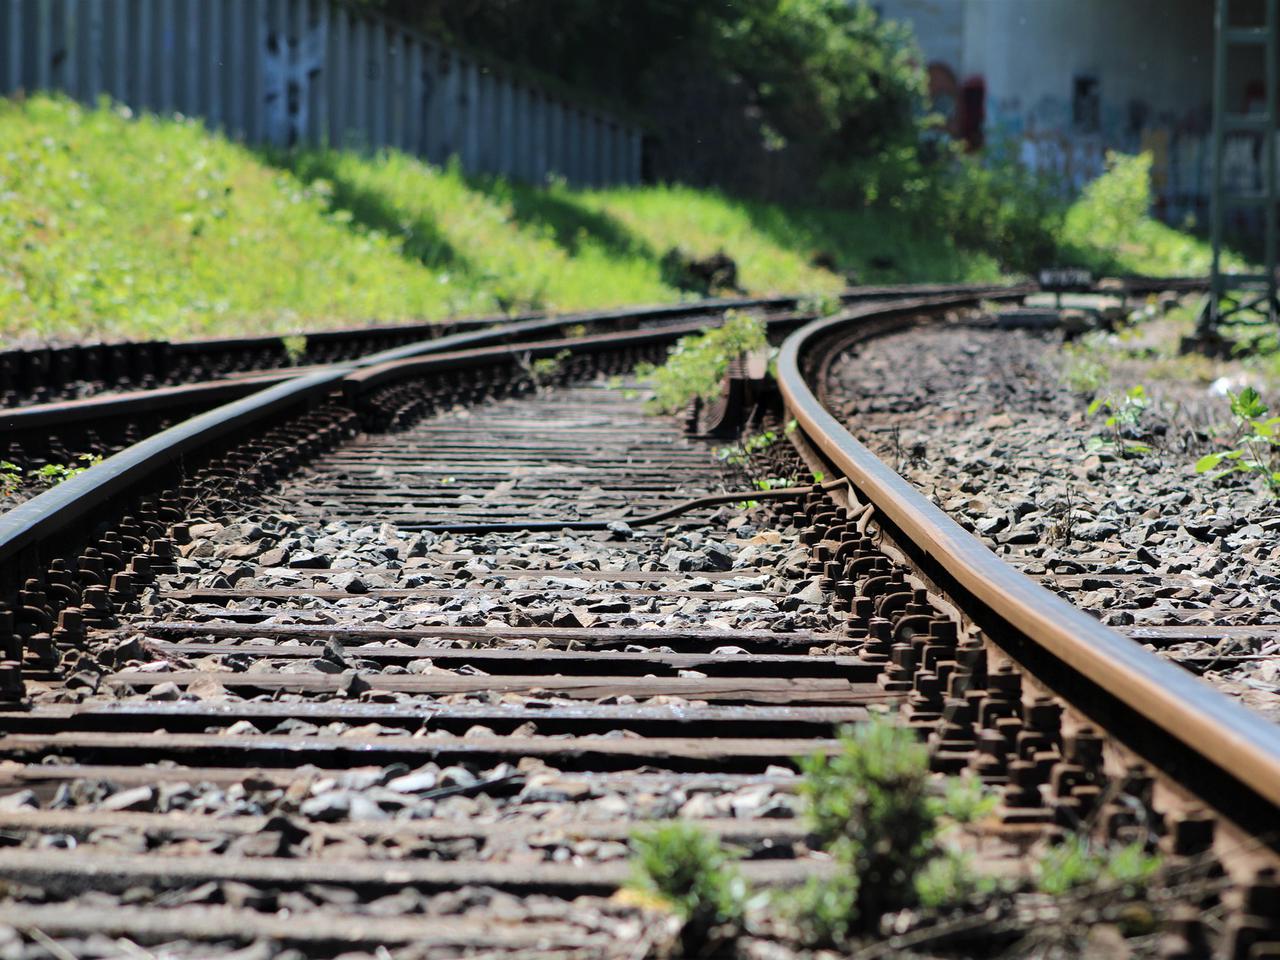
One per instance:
(339, 75)
(95, 51)
(469, 77)
(13, 45)
(433, 98)
(537, 137)
(211, 29)
(524, 129)
(555, 134)
(450, 101)
(486, 119)
(394, 97)
(116, 46)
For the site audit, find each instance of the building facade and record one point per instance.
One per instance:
(1064, 81)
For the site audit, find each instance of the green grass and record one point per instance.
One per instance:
(154, 228)
(119, 227)
(1108, 230)
(113, 226)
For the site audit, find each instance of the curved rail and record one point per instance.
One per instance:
(53, 511)
(1221, 732)
(128, 363)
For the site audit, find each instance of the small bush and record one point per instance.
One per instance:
(825, 911)
(951, 879)
(1076, 862)
(10, 478)
(1109, 228)
(965, 799)
(1083, 372)
(868, 806)
(295, 348)
(1123, 422)
(695, 876)
(52, 474)
(697, 363)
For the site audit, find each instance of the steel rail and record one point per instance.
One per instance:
(59, 366)
(131, 403)
(1224, 734)
(127, 403)
(56, 509)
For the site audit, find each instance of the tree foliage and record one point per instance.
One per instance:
(760, 96)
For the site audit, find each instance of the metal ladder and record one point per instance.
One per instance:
(1231, 294)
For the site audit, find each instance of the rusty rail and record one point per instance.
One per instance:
(1032, 623)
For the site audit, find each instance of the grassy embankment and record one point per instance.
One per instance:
(115, 227)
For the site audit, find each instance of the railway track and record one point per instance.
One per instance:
(49, 374)
(392, 660)
(65, 406)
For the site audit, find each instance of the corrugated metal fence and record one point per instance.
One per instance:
(309, 71)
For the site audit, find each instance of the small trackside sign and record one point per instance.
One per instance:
(1065, 279)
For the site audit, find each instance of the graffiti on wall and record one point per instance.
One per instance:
(290, 65)
(1068, 138)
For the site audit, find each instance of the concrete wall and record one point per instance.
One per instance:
(307, 71)
(1150, 65)
(938, 25)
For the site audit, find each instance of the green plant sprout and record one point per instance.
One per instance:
(694, 876)
(697, 363)
(1124, 415)
(964, 799)
(738, 454)
(10, 478)
(1077, 863)
(819, 304)
(295, 348)
(1082, 372)
(543, 370)
(1257, 439)
(52, 474)
(950, 879)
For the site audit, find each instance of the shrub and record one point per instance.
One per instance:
(867, 805)
(951, 879)
(825, 911)
(965, 799)
(693, 874)
(1109, 229)
(697, 363)
(1077, 862)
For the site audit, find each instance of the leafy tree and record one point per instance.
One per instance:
(760, 96)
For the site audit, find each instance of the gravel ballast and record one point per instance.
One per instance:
(984, 423)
